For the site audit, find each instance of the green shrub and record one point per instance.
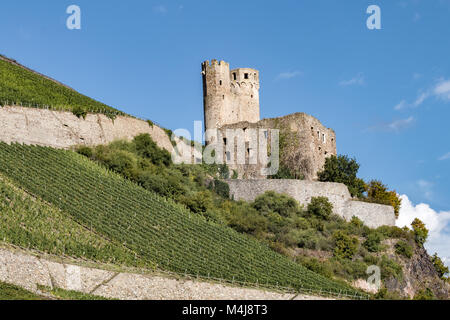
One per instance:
(147, 148)
(425, 294)
(320, 207)
(235, 175)
(390, 268)
(404, 248)
(395, 232)
(282, 204)
(440, 267)
(166, 186)
(199, 202)
(221, 188)
(345, 245)
(373, 241)
(85, 151)
(224, 171)
(321, 267)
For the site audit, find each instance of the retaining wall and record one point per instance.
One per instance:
(373, 215)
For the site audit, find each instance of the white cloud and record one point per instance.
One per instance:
(402, 105)
(436, 223)
(288, 75)
(357, 80)
(400, 124)
(445, 157)
(420, 99)
(396, 125)
(161, 9)
(442, 90)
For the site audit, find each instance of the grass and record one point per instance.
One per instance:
(12, 292)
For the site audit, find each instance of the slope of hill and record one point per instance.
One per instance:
(22, 86)
(157, 230)
(31, 223)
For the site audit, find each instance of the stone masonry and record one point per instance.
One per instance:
(373, 215)
(30, 270)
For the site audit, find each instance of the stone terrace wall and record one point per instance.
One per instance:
(63, 130)
(373, 215)
(29, 271)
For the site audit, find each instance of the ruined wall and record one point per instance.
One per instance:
(304, 145)
(63, 129)
(29, 271)
(373, 215)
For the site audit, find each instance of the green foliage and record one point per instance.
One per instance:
(396, 232)
(221, 188)
(404, 248)
(345, 246)
(440, 267)
(23, 87)
(31, 223)
(373, 241)
(320, 207)
(285, 173)
(235, 175)
(343, 170)
(144, 146)
(156, 229)
(425, 294)
(224, 171)
(272, 202)
(378, 192)
(390, 268)
(420, 231)
(13, 292)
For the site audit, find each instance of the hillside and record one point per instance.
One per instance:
(22, 86)
(158, 230)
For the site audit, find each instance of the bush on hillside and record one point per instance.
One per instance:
(373, 241)
(404, 248)
(440, 267)
(281, 204)
(378, 192)
(320, 207)
(345, 246)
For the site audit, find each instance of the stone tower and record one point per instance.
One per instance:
(229, 96)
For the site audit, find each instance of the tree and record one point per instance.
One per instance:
(343, 170)
(440, 267)
(420, 231)
(378, 192)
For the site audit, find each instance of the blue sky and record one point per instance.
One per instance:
(385, 92)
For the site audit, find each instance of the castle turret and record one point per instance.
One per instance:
(229, 97)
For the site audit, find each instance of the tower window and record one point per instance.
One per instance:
(234, 76)
(223, 97)
(245, 75)
(252, 96)
(323, 138)
(228, 155)
(225, 141)
(220, 82)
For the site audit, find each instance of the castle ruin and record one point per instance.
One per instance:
(231, 103)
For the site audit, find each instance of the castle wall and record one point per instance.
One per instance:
(63, 130)
(373, 215)
(305, 143)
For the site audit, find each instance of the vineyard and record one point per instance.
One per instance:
(156, 229)
(33, 224)
(22, 87)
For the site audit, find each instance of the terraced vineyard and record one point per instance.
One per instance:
(156, 229)
(23, 87)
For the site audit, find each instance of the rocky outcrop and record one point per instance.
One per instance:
(418, 274)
